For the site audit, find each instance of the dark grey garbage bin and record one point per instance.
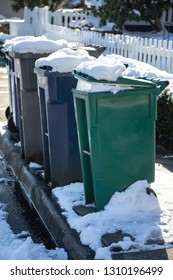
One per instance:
(28, 104)
(60, 143)
(12, 112)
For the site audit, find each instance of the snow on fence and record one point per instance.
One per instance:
(40, 21)
(63, 17)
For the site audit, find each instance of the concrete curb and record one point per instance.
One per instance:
(39, 198)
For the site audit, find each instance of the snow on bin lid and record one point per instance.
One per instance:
(102, 71)
(137, 68)
(100, 76)
(64, 60)
(32, 44)
(7, 46)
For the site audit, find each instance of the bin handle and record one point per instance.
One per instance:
(160, 84)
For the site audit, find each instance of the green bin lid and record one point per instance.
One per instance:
(124, 81)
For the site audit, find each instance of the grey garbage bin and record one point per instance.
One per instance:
(28, 104)
(12, 112)
(60, 144)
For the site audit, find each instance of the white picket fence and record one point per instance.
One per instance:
(40, 21)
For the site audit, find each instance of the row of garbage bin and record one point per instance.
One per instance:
(81, 134)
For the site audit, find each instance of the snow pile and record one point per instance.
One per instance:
(135, 211)
(31, 44)
(7, 46)
(21, 246)
(65, 60)
(109, 67)
(100, 70)
(136, 68)
(133, 202)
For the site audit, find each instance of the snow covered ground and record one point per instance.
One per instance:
(21, 246)
(144, 216)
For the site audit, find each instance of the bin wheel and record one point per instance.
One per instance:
(11, 125)
(7, 112)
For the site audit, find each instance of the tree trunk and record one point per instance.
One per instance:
(158, 24)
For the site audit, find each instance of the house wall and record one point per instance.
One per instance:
(6, 10)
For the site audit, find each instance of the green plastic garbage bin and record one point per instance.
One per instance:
(116, 133)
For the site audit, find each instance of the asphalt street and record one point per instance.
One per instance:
(20, 217)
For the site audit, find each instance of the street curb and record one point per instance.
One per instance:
(38, 196)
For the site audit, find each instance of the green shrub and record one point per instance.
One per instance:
(164, 124)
